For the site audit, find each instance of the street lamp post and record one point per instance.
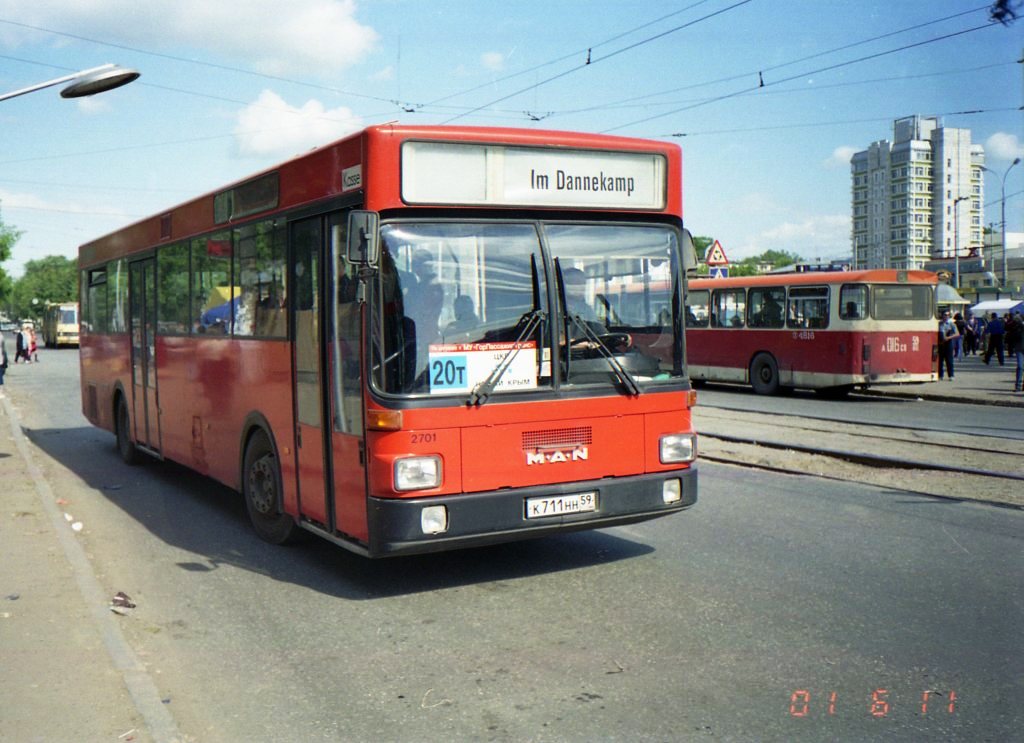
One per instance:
(85, 82)
(1002, 217)
(956, 240)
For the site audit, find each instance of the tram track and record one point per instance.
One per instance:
(919, 460)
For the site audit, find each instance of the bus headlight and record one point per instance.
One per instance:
(434, 519)
(671, 491)
(676, 448)
(417, 473)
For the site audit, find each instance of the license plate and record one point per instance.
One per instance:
(538, 508)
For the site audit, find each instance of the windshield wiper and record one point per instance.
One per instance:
(627, 379)
(483, 390)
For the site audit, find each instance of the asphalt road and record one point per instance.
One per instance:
(961, 418)
(779, 608)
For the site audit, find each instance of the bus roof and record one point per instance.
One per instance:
(870, 276)
(367, 162)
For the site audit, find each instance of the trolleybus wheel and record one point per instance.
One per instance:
(125, 446)
(261, 485)
(764, 374)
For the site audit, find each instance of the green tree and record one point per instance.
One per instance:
(8, 237)
(50, 279)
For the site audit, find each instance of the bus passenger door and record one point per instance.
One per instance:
(328, 379)
(142, 307)
(348, 451)
(307, 239)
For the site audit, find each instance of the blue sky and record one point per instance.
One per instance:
(229, 89)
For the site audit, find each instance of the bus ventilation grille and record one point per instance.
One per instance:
(557, 438)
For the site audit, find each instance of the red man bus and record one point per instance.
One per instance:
(828, 331)
(402, 341)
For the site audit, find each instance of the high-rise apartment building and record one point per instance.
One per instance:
(918, 197)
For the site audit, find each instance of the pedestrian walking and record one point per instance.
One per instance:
(961, 328)
(970, 335)
(19, 345)
(3, 363)
(33, 349)
(947, 335)
(1014, 340)
(995, 329)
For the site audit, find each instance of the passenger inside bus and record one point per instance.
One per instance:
(851, 311)
(466, 319)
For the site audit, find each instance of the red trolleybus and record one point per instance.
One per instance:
(402, 341)
(828, 331)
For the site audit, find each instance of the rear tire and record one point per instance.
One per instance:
(261, 486)
(125, 446)
(764, 374)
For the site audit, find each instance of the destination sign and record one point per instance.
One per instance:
(498, 175)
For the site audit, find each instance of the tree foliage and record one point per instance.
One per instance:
(49, 279)
(8, 237)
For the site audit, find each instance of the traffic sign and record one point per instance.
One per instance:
(719, 272)
(715, 255)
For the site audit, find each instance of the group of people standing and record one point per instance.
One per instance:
(997, 336)
(25, 349)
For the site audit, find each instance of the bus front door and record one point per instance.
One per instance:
(145, 413)
(328, 406)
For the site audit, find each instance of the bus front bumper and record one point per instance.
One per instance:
(502, 516)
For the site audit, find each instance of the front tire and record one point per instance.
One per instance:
(764, 374)
(125, 446)
(261, 486)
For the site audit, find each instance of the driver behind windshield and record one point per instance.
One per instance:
(575, 282)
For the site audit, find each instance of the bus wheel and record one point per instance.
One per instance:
(125, 446)
(261, 486)
(764, 374)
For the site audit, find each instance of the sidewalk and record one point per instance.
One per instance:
(973, 382)
(63, 676)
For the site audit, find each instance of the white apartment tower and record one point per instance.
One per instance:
(917, 198)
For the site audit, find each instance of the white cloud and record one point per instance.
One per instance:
(91, 105)
(824, 236)
(493, 61)
(313, 35)
(270, 126)
(1003, 146)
(388, 73)
(840, 157)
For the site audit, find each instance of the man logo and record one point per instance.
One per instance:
(576, 454)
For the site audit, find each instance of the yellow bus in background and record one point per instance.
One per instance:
(60, 324)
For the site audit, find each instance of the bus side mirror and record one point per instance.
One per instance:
(689, 252)
(363, 248)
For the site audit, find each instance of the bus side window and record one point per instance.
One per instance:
(853, 301)
(697, 308)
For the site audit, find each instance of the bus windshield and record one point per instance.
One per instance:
(456, 301)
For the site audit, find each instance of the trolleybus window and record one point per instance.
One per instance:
(697, 308)
(853, 301)
(902, 302)
(808, 307)
(728, 308)
(764, 307)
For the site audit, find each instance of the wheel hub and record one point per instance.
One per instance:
(262, 488)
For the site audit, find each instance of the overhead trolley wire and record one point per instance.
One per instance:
(764, 84)
(590, 61)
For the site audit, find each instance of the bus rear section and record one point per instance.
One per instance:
(60, 324)
(826, 331)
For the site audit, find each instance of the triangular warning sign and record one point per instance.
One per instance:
(715, 255)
